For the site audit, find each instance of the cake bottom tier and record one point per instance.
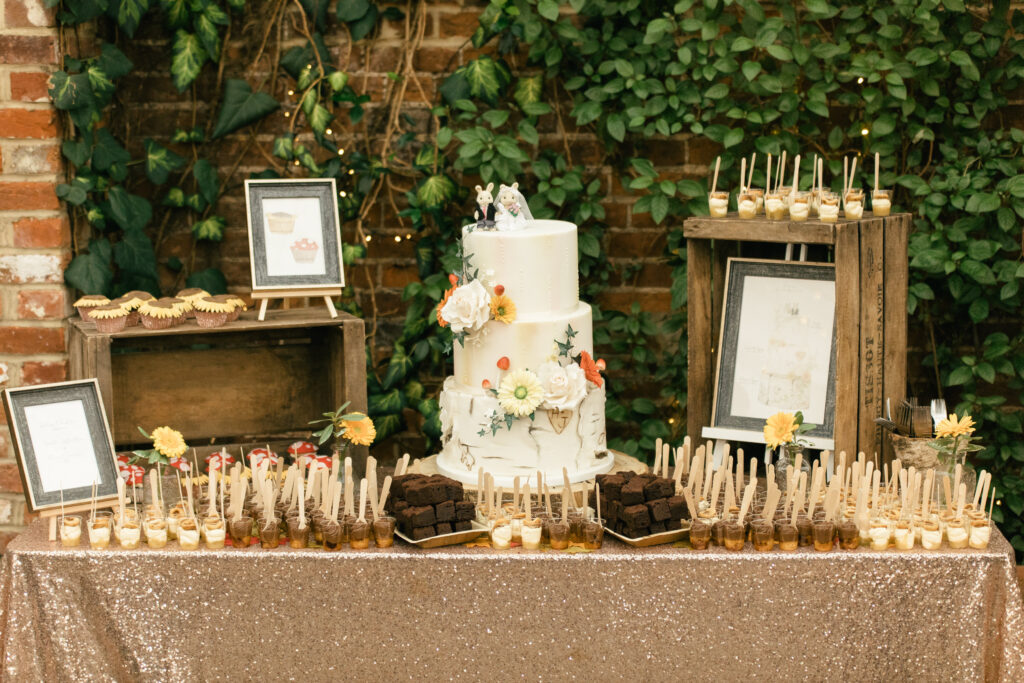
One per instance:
(529, 446)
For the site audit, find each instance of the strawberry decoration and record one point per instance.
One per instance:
(503, 363)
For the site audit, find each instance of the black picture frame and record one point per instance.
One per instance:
(737, 271)
(322, 189)
(100, 446)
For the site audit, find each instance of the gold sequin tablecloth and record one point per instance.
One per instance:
(464, 613)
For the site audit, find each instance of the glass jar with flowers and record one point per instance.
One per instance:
(954, 439)
(346, 429)
(782, 433)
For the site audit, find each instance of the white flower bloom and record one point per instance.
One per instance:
(520, 393)
(564, 387)
(468, 308)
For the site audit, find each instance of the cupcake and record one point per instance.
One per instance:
(158, 315)
(182, 308)
(304, 250)
(110, 318)
(133, 300)
(210, 313)
(190, 295)
(281, 222)
(236, 302)
(89, 302)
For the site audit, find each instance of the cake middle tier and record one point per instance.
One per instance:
(537, 265)
(526, 343)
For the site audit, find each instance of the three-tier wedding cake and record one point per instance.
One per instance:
(526, 394)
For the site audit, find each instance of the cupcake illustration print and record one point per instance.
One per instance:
(304, 250)
(281, 222)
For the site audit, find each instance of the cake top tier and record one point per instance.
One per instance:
(537, 264)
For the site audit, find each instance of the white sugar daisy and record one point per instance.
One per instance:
(520, 393)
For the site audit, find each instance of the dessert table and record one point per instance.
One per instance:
(470, 612)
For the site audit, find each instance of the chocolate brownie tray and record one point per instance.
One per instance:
(654, 539)
(443, 540)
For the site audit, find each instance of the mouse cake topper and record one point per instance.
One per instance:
(511, 209)
(483, 214)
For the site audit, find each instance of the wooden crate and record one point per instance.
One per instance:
(244, 382)
(870, 257)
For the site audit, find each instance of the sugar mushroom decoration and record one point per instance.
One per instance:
(299, 451)
(218, 461)
(264, 456)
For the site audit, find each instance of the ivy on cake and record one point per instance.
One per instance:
(558, 386)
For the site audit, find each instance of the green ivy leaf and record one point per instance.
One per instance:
(337, 80)
(206, 180)
(205, 26)
(188, 57)
(241, 106)
(176, 13)
(319, 119)
(365, 24)
(127, 13)
(160, 161)
(211, 279)
(528, 90)
(108, 151)
(548, 9)
(90, 271)
(388, 402)
(130, 211)
(435, 191)
(211, 229)
(134, 253)
(486, 77)
(352, 10)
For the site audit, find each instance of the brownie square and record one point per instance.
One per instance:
(444, 512)
(404, 519)
(626, 475)
(463, 525)
(399, 483)
(659, 488)
(673, 524)
(614, 511)
(636, 516)
(658, 528)
(633, 492)
(453, 489)
(465, 511)
(426, 492)
(658, 509)
(444, 528)
(422, 516)
(612, 486)
(419, 533)
(637, 533)
(677, 507)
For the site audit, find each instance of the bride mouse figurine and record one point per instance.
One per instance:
(510, 208)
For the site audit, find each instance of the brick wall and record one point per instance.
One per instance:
(34, 232)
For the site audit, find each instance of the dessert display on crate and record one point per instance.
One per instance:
(159, 314)
(526, 393)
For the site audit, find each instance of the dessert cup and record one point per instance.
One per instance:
(700, 534)
(903, 535)
(746, 205)
(758, 196)
(849, 535)
(70, 530)
(931, 536)
(593, 534)
(981, 532)
(718, 204)
(789, 536)
(774, 206)
(824, 535)
(575, 527)
(215, 533)
(516, 522)
(99, 531)
(786, 192)
(718, 532)
(359, 535)
(853, 207)
(828, 208)
(559, 533)
(800, 207)
(501, 535)
(241, 531)
(763, 536)
(805, 530)
(734, 535)
(270, 534)
(156, 532)
(331, 531)
(174, 517)
(188, 534)
(130, 535)
(532, 532)
(881, 203)
(957, 534)
(298, 532)
(879, 532)
(384, 532)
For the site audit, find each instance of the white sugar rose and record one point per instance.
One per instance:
(564, 387)
(468, 308)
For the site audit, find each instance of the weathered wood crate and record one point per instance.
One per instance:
(245, 382)
(870, 257)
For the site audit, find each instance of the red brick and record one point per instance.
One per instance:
(650, 301)
(635, 243)
(39, 124)
(43, 372)
(30, 86)
(28, 50)
(31, 340)
(41, 232)
(31, 159)
(10, 479)
(399, 275)
(41, 304)
(28, 196)
(701, 151)
(28, 14)
(459, 24)
(433, 59)
(32, 268)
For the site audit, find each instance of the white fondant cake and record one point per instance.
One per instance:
(536, 359)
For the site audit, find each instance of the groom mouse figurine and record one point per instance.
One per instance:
(484, 212)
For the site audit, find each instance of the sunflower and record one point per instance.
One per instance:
(169, 442)
(590, 369)
(447, 295)
(779, 429)
(502, 309)
(361, 431)
(520, 393)
(951, 426)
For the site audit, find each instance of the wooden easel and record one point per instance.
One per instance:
(52, 514)
(267, 294)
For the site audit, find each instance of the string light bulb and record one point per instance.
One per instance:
(287, 114)
(864, 131)
(291, 92)
(398, 238)
(351, 171)
(369, 237)
(408, 237)
(328, 131)
(343, 194)
(860, 80)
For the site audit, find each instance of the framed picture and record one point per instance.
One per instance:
(62, 442)
(777, 348)
(294, 234)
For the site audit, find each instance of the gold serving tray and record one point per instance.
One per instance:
(653, 539)
(454, 538)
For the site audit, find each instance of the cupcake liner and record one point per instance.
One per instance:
(151, 323)
(205, 319)
(110, 325)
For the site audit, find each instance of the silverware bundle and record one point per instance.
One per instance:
(911, 419)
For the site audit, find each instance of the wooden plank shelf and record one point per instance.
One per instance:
(245, 381)
(870, 256)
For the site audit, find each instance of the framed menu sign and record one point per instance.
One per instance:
(63, 444)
